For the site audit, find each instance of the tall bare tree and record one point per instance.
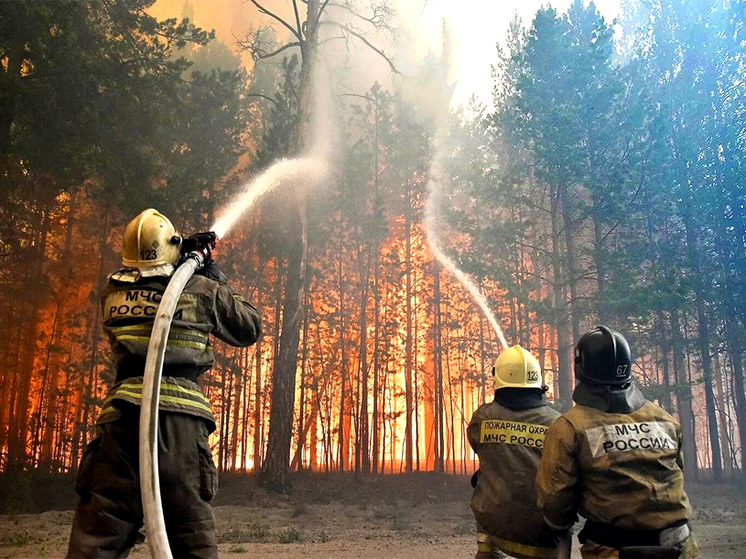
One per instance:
(351, 22)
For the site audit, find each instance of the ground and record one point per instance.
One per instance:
(338, 517)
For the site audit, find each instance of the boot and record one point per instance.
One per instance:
(485, 550)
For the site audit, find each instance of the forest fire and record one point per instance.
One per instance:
(394, 236)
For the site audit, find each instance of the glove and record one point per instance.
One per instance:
(204, 242)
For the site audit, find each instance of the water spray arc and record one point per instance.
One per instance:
(301, 173)
(304, 171)
(284, 172)
(431, 226)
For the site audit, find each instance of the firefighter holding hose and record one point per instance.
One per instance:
(109, 515)
(616, 459)
(508, 435)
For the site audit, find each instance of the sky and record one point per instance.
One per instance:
(477, 25)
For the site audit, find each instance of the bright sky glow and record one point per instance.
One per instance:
(477, 26)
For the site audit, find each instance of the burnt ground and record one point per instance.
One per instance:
(335, 516)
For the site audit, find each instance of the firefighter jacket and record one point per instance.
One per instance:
(205, 307)
(619, 469)
(509, 444)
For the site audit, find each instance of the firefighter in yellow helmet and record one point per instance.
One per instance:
(109, 515)
(508, 435)
(616, 459)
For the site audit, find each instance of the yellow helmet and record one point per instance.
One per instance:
(150, 240)
(516, 368)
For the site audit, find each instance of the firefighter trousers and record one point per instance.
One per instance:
(688, 549)
(109, 515)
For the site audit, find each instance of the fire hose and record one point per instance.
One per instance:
(155, 525)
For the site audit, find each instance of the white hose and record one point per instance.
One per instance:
(155, 525)
(565, 546)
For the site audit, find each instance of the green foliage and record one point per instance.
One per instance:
(290, 535)
(253, 532)
(15, 539)
(93, 91)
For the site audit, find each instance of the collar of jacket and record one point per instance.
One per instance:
(133, 275)
(609, 399)
(520, 398)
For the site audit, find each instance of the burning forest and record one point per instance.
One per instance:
(400, 202)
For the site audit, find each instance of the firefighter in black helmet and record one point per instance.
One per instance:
(616, 459)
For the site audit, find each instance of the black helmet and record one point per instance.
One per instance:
(602, 356)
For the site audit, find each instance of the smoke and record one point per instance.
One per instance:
(437, 99)
(301, 172)
(298, 175)
(432, 95)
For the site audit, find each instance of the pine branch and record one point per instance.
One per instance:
(297, 17)
(265, 55)
(274, 16)
(261, 96)
(366, 42)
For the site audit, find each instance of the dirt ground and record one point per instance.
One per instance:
(336, 517)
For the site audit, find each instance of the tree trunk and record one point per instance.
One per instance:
(564, 374)
(303, 382)
(258, 393)
(723, 413)
(703, 339)
(438, 376)
(735, 351)
(684, 400)
(664, 345)
(343, 442)
(570, 268)
(363, 453)
(600, 269)
(275, 470)
(19, 429)
(408, 363)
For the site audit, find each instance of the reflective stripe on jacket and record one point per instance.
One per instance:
(176, 395)
(621, 469)
(509, 444)
(204, 307)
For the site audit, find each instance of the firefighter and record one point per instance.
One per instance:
(508, 435)
(110, 514)
(616, 459)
